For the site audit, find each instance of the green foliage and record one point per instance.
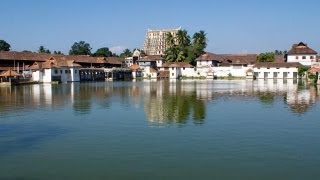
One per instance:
(4, 46)
(312, 76)
(57, 52)
(42, 49)
(279, 52)
(103, 52)
(302, 70)
(80, 48)
(266, 57)
(126, 53)
(181, 49)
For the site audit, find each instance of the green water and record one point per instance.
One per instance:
(160, 130)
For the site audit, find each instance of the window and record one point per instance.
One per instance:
(311, 57)
(303, 57)
(60, 71)
(75, 71)
(173, 68)
(172, 74)
(184, 68)
(66, 71)
(56, 71)
(297, 57)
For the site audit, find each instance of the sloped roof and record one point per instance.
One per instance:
(134, 67)
(314, 70)
(301, 48)
(209, 57)
(229, 58)
(9, 73)
(177, 64)
(240, 58)
(114, 60)
(26, 56)
(276, 65)
(54, 63)
(151, 58)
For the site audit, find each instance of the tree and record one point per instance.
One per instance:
(199, 42)
(80, 48)
(42, 49)
(266, 57)
(302, 70)
(126, 53)
(180, 48)
(4, 46)
(103, 52)
(57, 52)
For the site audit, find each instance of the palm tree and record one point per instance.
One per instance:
(183, 38)
(170, 40)
(199, 42)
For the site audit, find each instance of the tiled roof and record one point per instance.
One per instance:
(276, 65)
(26, 56)
(240, 58)
(209, 57)
(151, 58)
(9, 73)
(314, 70)
(30, 56)
(301, 48)
(114, 60)
(229, 58)
(279, 59)
(134, 67)
(54, 63)
(177, 64)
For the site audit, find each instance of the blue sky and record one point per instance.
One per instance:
(247, 26)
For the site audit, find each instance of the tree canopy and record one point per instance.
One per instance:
(126, 53)
(80, 48)
(266, 57)
(182, 48)
(4, 46)
(57, 52)
(103, 52)
(42, 49)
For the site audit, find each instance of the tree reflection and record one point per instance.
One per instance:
(174, 105)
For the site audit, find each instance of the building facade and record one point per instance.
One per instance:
(303, 54)
(154, 43)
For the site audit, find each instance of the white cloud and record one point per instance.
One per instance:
(117, 49)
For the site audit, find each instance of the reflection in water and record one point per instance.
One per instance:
(163, 101)
(173, 103)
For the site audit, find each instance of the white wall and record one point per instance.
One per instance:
(259, 72)
(46, 75)
(36, 76)
(159, 63)
(204, 63)
(235, 71)
(306, 62)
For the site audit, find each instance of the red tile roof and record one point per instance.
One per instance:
(229, 58)
(151, 58)
(177, 64)
(301, 48)
(276, 65)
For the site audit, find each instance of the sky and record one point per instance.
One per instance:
(232, 26)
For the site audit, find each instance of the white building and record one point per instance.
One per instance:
(303, 54)
(154, 43)
(276, 70)
(175, 70)
(226, 65)
(60, 70)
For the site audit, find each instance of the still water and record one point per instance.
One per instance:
(160, 130)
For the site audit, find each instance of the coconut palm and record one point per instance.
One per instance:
(183, 38)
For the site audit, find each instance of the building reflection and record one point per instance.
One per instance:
(163, 102)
